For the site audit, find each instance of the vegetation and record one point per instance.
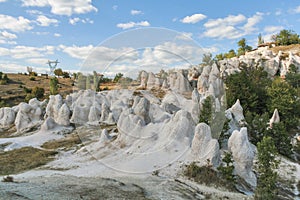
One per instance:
(227, 168)
(22, 159)
(243, 47)
(206, 111)
(3, 79)
(286, 37)
(36, 92)
(118, 77)
(53, 86)
(267, 164)
(207, 175)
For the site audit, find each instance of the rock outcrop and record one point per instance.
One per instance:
(243, 153)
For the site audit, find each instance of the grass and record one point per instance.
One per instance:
(66, 143)
(208, 176)
(26, 158)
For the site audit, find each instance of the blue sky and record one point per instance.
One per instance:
(34, 31)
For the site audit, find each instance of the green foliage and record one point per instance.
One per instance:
(207, 175)
(284, 97)
(260, 39)
(219, 57)
(257, 126)
(249, 86)
(38, 92)
(227, 168)
(267, 164)
(281, 138)
(58, 72)
(206, 111)
(243, 47)
(3, 79)
(53, 86)
(207, 59)
(292, 77)
(32, 78)
(286, 37)
(33, 73)
(118, 77)
(66, 75)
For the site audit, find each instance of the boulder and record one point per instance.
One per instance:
(63, 115)
(275, 118)
(7, 117)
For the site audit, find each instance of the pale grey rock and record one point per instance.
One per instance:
(141, 109)
(94, 114)
(49, 124)
(237, 112)
(28, 117)
(7, 117)
(195, 105)
(63, 115)
(243, 153)
(144, 79)
(204, 148)
(104, 137)
(275, 118)
(151, 81)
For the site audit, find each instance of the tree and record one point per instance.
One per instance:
(66, 75)
(58, 72)
(243, 47)
(38, 92)
(207, 59)
(249, 86)
(117, 77)
(53, 86)
(231, 53)
(286, 37)
(284, 97)
(227, 168)
(292, 77)
(206, 111)
(267, 164)
(281, 138)
(260, 39)
(219, 57)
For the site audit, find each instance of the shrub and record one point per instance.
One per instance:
(32, 78)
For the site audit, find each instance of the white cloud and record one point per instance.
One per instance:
(193, 18)
(57, 35)
(21, 52)
(272, 29)
(184, 36)
(297, 10)
(75, 20)
(249, 27)
(76, 51)
(1, 1)
(7, 38)
(34, 12)
(63, 7)
(45, 21)
(231, 20)
(278, 12)
(8, 35)
(18, 24)
(136, 12)
(133, 24)
(115, 7)
(232, 26)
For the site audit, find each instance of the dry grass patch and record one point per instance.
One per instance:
(67, 143)
(26, 158)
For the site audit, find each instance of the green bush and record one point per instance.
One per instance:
(32, 78)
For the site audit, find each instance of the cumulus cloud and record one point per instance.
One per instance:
(232, 26)
(57, 35)
(63, 7)
(296, 10)
(21, 52)
(75, 20)
(136, 12)
(272, 29)
(193, 18)
(18, 24)
(1, 1)
(133, 24)
(8, 35)
(45, 21)
(115, 7)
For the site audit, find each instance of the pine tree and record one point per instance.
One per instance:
(206, 111)
(267, 164)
